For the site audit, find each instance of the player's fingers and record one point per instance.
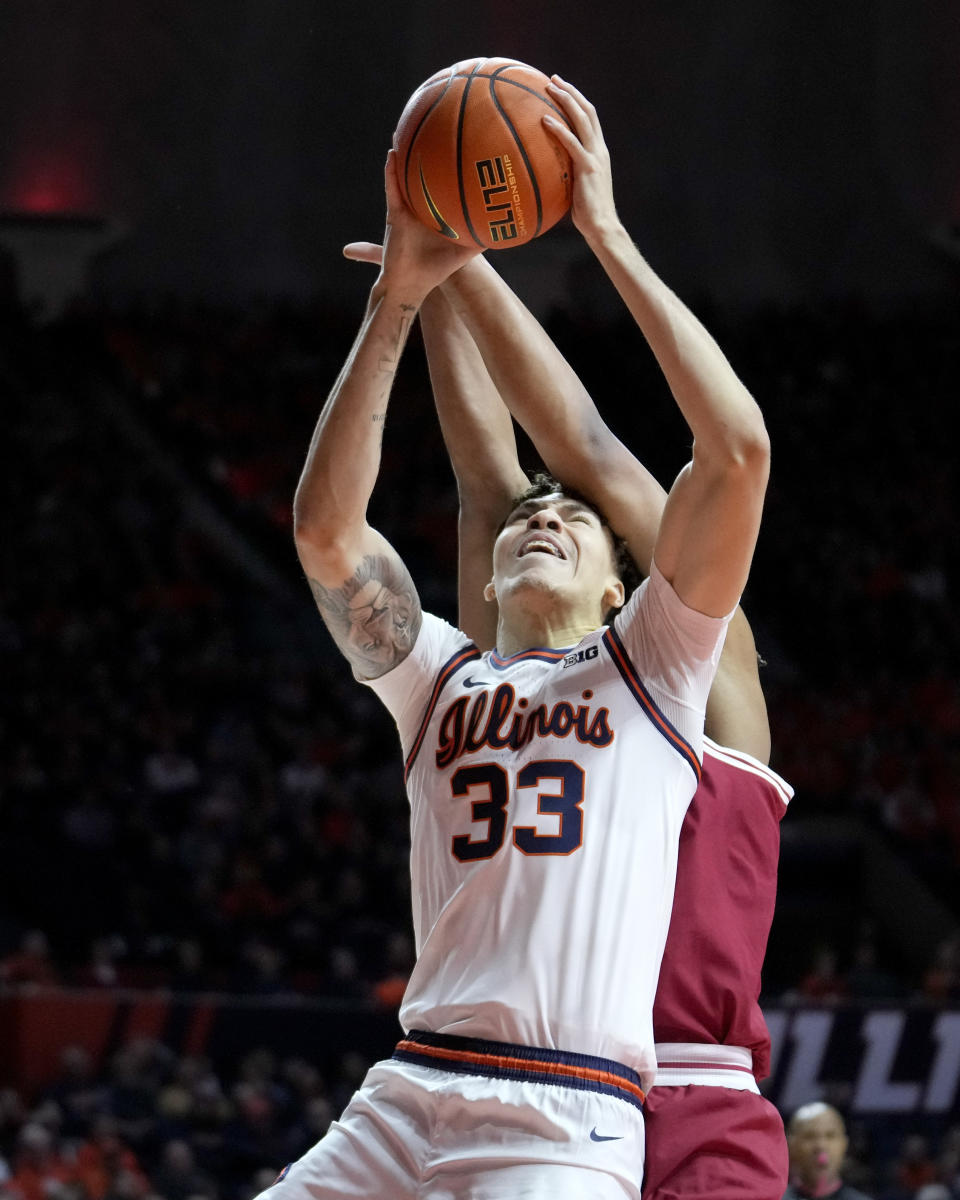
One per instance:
(370, 252)
(571, 109)
(390, 180)
(580, 112)
(564, 135)
(585, 104)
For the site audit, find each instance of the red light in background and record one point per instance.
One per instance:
(62, 179)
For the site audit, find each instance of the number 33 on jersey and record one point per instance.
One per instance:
(547, 792)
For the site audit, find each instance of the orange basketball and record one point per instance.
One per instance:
(474, 160)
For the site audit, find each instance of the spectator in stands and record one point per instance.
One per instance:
(313, 1122)
(188, 973)
(32, 963)
(948, 1160)
(178, 1177)
(77, 1090)
(169, 769)
(125, 1185)
(934, 1191)
(253, 1137)
(941, 980)
(101, 967)
(866, 979)
(817, 1140)
(39, 1166)
(823, 981)
(389, 988)
(11, 1121)
(135, 1079)
(914, 1167)
(103, 1158)
(262, 1179)
(260, 969)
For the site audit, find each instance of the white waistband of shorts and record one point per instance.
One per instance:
(682, 1063)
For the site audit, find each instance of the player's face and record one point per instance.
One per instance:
(817, 1146)
(557, 544)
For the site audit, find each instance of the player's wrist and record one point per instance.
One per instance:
(399, 290)
(467, 277)
(604, 231)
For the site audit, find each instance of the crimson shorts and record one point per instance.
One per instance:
(712, 1143)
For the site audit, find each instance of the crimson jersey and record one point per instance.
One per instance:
(723, 907)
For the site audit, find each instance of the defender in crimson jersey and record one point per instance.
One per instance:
(722, 910)
(709, 1131)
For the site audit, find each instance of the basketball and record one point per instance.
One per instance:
(474, 160)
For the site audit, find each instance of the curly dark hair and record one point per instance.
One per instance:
(543, 484)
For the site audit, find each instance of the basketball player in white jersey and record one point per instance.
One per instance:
(547, 779)
(708, 1131)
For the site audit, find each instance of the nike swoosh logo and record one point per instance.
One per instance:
(600, 1137)
(443, 227)
(471, 682)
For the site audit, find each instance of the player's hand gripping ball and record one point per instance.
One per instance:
(474, 159)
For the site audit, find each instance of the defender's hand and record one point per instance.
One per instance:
(368, 252)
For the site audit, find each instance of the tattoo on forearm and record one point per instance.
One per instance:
(380, 420)
(388, 362)
(375, 616)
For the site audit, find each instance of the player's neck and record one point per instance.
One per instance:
(530, 629)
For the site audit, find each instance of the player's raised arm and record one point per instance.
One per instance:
(709, 529)
(362, 588)
(479, 436)
(548, 399)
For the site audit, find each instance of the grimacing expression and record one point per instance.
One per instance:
(557, 542)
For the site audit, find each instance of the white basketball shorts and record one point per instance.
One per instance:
(450, 1118)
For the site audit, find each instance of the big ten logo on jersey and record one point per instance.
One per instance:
(501, 198)
(580, 656)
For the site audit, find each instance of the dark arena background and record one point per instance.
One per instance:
(204, 895)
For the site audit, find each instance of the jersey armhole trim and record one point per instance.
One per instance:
(753, 766)
(628, 673)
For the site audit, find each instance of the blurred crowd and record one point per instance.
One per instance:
(195, 794)
(187, 758)
(153, 1125)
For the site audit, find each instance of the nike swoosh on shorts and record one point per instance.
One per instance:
(600, 1137)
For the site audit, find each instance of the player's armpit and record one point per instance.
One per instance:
(736, 710)
(374, 616)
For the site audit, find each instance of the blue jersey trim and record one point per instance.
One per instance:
(628, 673)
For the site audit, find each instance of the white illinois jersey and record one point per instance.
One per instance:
(547, 791)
